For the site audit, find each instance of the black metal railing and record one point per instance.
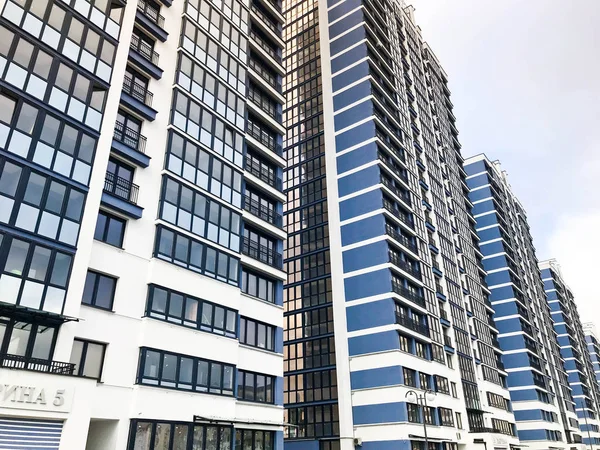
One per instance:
(404, 196)
(396, 260)
(478, 429)
(388, 146)
(276, 5)
(137, 91)
(263, 174)
(151, 13)
(264, 137)
(412, 324)
(443, 314)
(129, 137)
(254, 37)
(36, 365)
(262, 212)
(390, 166)
(122, 188)
(265, 103)
(448, 341)
(439, 288)
(261, 253)
(404, 218)
(143, 48)
(265, 19)
(398, 288)
(264, 74)
(406, 242)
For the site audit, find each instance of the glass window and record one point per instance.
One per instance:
(255, 387)
(109, 229)
(99, 290)
(257, 334)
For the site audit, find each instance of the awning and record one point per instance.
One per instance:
(29, 314)
(432, 439)
(224, 421)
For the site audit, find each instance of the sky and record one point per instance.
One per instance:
(525, 83)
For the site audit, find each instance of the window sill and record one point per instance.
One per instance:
(116, 247)
(99, 308)
(262, 350)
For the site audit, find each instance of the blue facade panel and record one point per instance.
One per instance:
(366, 256)
(342, 8)
(367, 285)
(348, 40)
(361, 204)
(352, 95)
(372, 378)
(371, 315)
(355, 136)
(363, 229)
(382, 413)
(357, 157)
(349, 76)
(373, 343)
(348, 22)
(353, 115)
(360, 180)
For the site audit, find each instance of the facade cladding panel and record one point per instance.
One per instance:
(141, 232)
(385, 290)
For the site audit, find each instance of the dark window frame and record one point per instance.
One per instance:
(269, 388)
(246, 322)
(191, 427)
(110, 217)
(98, 276)
(199, 325)
(81, 364)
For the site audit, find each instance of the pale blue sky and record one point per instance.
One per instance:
(525, 82)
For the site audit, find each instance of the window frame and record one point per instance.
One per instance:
(245, 322)
(98, 276)
(110, 217)
(242, 375)
(82, 361)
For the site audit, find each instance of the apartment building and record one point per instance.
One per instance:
(141, 234)
(593, 346)
(385, 297)
(574, 351)
(538, 384)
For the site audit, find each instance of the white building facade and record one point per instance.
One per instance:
(141, 225)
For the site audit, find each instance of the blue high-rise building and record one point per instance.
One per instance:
(537, 381)
(385, 295)
(574, 350)
(593, 347)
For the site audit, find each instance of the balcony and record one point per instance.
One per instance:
(264, 46)
(261, 253)
(143, 56)
(478, 429)
(255, 169)
(149, 18)
(390, 147)
(130, 145)
(260, 211)
(138, 98)
(264, 137)
(264, 103)
(266, 21)
(406, 242)
(122, 195)
(407, 293)
(265, 74)
(397, 261)
(412, 324)
(403, 217)
(36, 365)
(402, 195)
(448, 341)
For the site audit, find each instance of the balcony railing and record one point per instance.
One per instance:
(264, 74)
(264, 137)
(266, 20)
(265, 175)
(389, 146)
(261, 253)
(137, 91)
(443, 314)
(120, 187)
(399, 214)
(478, 429)
(448, 341)
(267, 105)
(407, 293)
(144, 49)
(129, 137)
(151, 13)
(404, 196)
(390, 231)
(412, 324)
(262, 212)
(396, 260)
(390, 166)
(266, 47)
(36, 364)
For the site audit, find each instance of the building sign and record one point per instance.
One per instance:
(43, 398)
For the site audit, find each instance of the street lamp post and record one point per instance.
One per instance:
(422, 402)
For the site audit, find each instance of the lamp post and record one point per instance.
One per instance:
(422, 402)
